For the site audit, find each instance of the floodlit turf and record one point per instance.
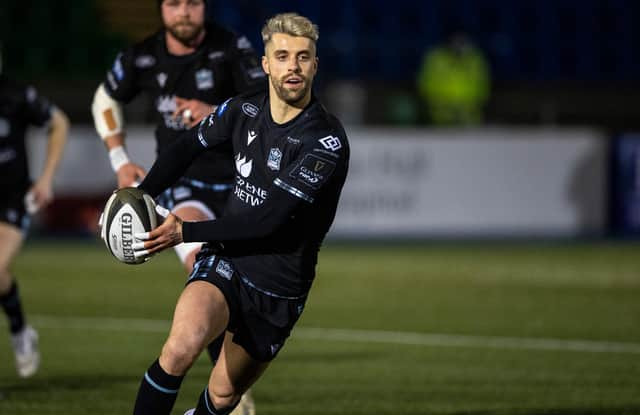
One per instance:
(481, 328)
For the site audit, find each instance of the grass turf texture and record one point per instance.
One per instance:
(102, 323)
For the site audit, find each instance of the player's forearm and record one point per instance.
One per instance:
(58, 133)
(255, 224)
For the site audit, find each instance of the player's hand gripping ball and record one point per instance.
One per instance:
(128, 211)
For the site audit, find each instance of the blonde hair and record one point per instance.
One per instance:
(291, 24)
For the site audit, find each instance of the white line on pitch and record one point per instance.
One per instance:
(359, 336)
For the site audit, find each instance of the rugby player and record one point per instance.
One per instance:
(252, 278)
(21, 107)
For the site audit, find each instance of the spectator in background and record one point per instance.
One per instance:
(454, 82)
(21, 107)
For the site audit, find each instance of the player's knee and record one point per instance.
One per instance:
(178, 355)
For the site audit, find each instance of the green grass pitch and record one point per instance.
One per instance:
(476, 328)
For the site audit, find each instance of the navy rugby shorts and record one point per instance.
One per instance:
(213, 196)
(13, 210)
(260, 321)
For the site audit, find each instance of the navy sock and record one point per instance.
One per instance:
(13, 308)
(158, 392)
(205, 406)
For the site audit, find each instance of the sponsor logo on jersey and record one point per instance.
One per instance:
(145, 61)
(243, 43)
(275, 156)
(250, 109)
(162, 79)
(251, 135)
(218, 54)
(225, 269)
(243, 166)
(331, 143)
(204, 79)
(5, 127)
(166, 103)
(249, 193)
(313, 171)
(293, 140)
(117, 69)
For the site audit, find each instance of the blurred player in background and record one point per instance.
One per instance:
(21, 107)
(189, 66)
(253, 278)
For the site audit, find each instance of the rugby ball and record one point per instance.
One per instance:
(128, 211)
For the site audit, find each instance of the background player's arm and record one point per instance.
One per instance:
(41, 192)
(109, 123)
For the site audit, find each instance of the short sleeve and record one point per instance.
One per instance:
(320, 164)
(37, 108)
(121, 80)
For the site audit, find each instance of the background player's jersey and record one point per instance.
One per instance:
(307, 158)
(20, 107)
(224, 65)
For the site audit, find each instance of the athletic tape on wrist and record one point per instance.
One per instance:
(118, 157)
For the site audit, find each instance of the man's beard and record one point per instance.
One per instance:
(289, 96)
(185, 33)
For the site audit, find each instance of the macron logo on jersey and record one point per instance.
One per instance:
(251, 135)
(331, 143)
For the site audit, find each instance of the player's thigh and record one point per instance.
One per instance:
(201, 314)
(235, 371)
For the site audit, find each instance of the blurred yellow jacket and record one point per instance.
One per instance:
(455, 86)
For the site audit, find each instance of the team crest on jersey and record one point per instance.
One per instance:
(162, 79)
(275, 156)
(250, 109)
(204, 79)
